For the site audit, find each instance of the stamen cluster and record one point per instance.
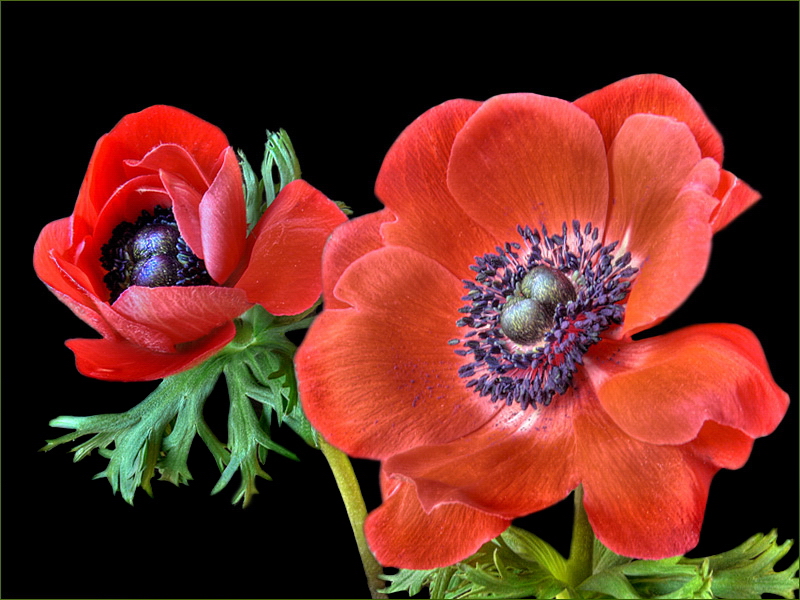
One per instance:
(533, 374)
(151, 253)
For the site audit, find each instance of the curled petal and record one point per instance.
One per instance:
(185, 201)
(223, 220)
(172, 158)
(735, 197)
(660, 213)
(119, 360)
(51, 245)
(652, 94)
(182, 314)
(348, 243)
(663, 389)
(132, 138)
(401, 534)
(284, 274)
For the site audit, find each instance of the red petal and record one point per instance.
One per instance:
(661, 213)
(368, 379)
(223, 220)
(285, 273)
(173, 158)
(643, 500)
(401, 534)
(518, 463)
(182, 313)
(662, 390)
(133, 137)
(654, 94)
(348, 243)
(412, 183)
(186, 209)
(117, 360)
(735, 197)
(53, 242)
(524, 159)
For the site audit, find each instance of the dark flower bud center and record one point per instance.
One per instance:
(150, 253)
(154, 240)
(528, 314)
(156, 271)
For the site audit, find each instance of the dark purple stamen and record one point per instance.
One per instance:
(530, 371)
(151, 253)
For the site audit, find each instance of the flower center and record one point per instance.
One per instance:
(150, 253)
(528, 314)
(532, 314)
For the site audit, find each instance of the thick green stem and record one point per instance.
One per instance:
(356, 512)
(579, 565)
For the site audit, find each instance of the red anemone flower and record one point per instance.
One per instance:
(156, 255)
(477, 331)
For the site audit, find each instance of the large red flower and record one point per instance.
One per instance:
(156, 255)
(477, 332)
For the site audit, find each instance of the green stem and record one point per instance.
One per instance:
(579, 565)
(356, 512)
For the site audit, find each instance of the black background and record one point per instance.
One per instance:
(343, 79)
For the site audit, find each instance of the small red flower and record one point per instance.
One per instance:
(477, 332)
(156, 255)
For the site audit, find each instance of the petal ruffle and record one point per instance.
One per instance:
(660, 213)
(529, 454)
(652, 94)
(524, 159)
(662, 390)
(412, 183)
(401, 534)
(644, 500)
(367, 378)
(118, 360)
(284, 274)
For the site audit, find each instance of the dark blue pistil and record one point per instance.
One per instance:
(531, 315)
(150, 253)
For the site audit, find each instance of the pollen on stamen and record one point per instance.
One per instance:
(531, 357)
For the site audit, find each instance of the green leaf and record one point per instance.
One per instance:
(748, 571)
(744, 572)
(245, 436)
(157, 435)
(137, 435)
(535, 550)
(495, 571)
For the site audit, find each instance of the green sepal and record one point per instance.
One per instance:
(279, 156)
(278, 168)
(253, 193)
